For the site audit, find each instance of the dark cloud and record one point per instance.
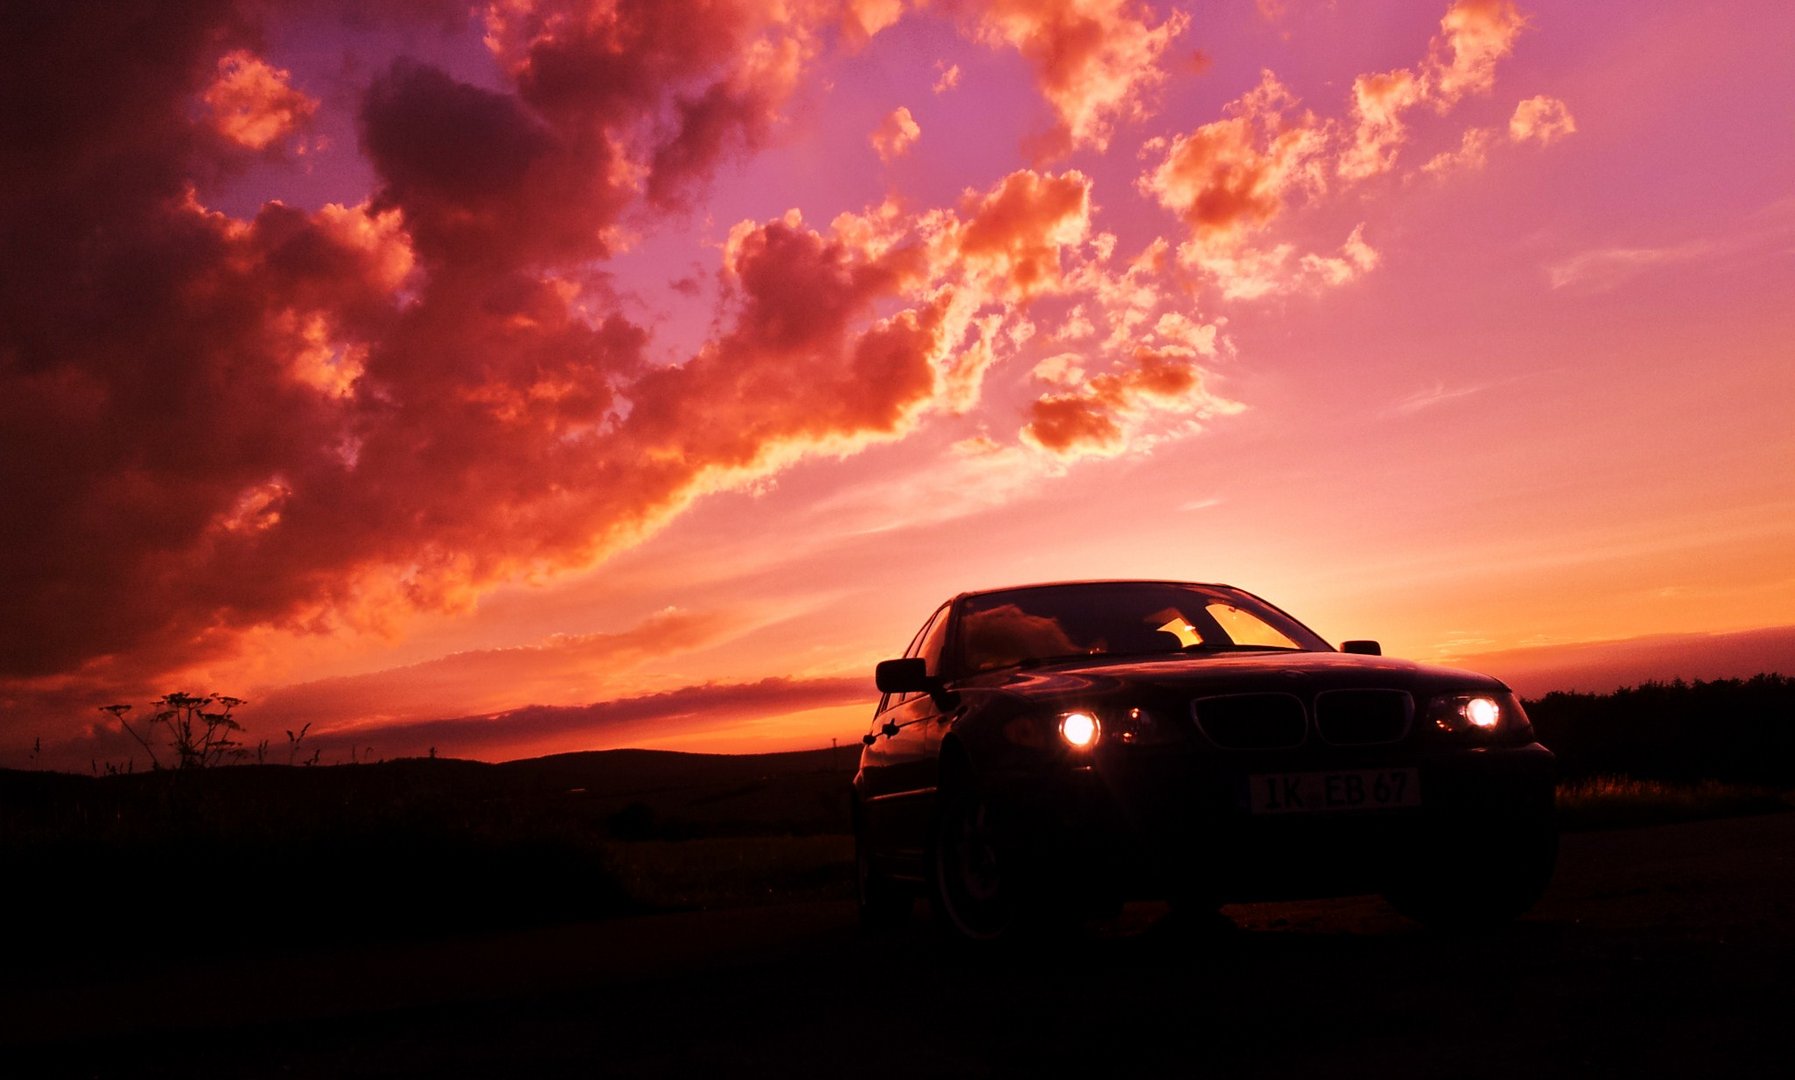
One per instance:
(635, 720)
(309, 419)
(481, 182)
(680, 85)
(721, 120)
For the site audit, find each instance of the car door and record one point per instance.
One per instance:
(896, 767)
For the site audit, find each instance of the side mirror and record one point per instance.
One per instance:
(907, 676)
(1363, 648)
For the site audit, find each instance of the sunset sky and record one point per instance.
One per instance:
(565, 374)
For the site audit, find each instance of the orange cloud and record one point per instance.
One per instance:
(1379, 102)
(895, 134)
(1103, 416)
(1231, 177)
(1461, 60)
(1541, 119)
(1095, 61)
(1475, 34)
(1472, 152)
(861, 19)
(252, 104)
(1017, 232)
(1230, 180)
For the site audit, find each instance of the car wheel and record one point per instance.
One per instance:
(1490, 878)
(882, 903)
(974, 869)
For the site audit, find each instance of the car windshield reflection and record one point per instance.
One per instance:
(1059, 623)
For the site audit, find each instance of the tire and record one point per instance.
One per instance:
(975, 884)
(883, 904)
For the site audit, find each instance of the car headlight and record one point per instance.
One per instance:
(1080, 729)
(1485, 714)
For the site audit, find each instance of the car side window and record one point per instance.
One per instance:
(934, 641)
(932, 634)
(936, 626)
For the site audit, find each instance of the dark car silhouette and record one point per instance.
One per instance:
(1043, 753)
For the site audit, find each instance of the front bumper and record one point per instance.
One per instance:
(1140, 822)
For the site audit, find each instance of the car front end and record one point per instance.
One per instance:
(1265, 776)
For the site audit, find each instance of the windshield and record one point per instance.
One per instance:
(1052, 622)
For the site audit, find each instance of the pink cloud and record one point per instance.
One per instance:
(1102, 415)
(1474, 36)
(252, 103)
(1231, 177)
(861, 19)
(895, 134)
(1461, 60)
(1541, 119)
(1015, 234)
(1472, 152)
(1096, 62)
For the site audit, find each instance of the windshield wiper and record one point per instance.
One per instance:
(1096, 657)
(1202, 647)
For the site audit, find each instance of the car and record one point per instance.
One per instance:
(1042, 754)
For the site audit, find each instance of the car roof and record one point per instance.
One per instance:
(1097, 581)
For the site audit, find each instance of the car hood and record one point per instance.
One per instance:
(1300, 673)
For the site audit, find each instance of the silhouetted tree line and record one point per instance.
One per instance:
(1736, 730)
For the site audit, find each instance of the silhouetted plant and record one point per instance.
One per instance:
(195, 738)
(293, 741)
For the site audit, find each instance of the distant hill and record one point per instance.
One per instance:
(666, 793)
(343, 852)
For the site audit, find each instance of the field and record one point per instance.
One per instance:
(127, 868)
(1658, 951)
(191, 864)
(647, 913)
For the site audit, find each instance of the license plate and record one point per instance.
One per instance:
(1321, 792)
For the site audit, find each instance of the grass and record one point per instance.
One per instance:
(732, 871)
(257, 856)
(1612, 801)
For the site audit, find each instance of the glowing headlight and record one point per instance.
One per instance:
(1466, 713)
(1483, 713)
(1079, 729)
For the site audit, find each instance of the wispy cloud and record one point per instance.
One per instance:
(1768, 230)
(539, 729)
(1604, 268)
(1437, 394)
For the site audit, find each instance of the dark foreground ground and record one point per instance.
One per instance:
(1659, 951)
